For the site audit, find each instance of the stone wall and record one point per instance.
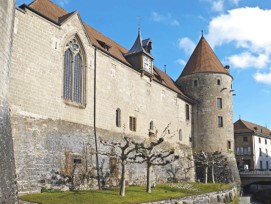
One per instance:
(7, 173)
(219, 197)
(60, 154)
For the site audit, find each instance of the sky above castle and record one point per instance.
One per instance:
(239, 31)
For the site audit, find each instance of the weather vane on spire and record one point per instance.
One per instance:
(201, 33)
(138, 23)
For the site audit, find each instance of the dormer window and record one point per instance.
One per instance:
(147, 45)
(105, 46)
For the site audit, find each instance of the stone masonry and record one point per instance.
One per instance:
(50, 134)
(8, 191)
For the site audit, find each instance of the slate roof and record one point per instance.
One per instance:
(138, 46)
(242, 126)
(58, 15)
(203, 60)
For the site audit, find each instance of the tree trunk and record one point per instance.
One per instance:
(122, 181)
(206, 174)
(148, 189)
(213, 172)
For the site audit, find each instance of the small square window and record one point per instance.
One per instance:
(244, 139)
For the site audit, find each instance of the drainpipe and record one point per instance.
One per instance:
(94, 125)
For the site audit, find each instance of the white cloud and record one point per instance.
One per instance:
(62, 2)
(247, 28)
(167, 19)
(263, 77)
(236, 2)
(181, 62)
(246, 59)
(218, 5)
(242, 25)
(187, 44)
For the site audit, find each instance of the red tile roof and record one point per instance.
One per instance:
(242, 126)
(203, 59)
(56, 14)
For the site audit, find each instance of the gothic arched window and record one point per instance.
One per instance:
(74, 73)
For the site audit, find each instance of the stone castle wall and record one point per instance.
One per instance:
(7, 173)
(50, 136)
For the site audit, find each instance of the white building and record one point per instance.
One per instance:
(252, 145)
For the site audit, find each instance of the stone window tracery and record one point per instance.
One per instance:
(74, 73)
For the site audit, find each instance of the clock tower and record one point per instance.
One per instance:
(140, 56)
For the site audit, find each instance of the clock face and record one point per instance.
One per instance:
(147, 64)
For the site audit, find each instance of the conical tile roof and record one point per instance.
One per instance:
(203, 59)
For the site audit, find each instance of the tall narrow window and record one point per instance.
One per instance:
(187, 112)
(73, 84)
(266, 152)
(260, 151)
(218, 82)
(132, 123)
(261, 164)
(180, 135)
(118, 117)
(195, 82)
(229, 145)
(267, 165)
(219, 103)
(259, 140)
(220, 121)
(68, 74)
(151, 125)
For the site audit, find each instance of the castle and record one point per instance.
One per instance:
(70, 85)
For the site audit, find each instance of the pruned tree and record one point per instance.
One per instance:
(124, 148)
(172, 172)
(217, 160)
(147, 153)
(209, 160)
(202, 161)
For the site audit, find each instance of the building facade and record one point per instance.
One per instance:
(71, 86)
(8, 188)
(253, 145)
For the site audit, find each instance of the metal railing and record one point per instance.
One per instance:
(256, 171)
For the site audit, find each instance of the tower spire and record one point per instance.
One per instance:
(138, 24)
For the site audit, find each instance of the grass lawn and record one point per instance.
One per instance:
(134, 194)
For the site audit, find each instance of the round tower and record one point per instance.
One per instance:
(7, 167)
(209, 83)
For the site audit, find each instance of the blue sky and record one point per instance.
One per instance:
(239, 31)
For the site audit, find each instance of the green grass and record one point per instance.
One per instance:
(134, 194)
